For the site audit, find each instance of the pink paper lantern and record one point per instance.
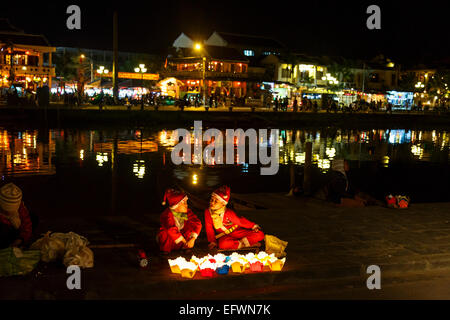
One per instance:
(257, 266)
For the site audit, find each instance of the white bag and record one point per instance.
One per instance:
(51, 248)
(70, 247)
(83, 258)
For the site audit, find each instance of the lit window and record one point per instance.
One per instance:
(249, 53)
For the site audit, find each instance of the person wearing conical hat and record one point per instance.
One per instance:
(16, 227)
(180, 227)
(224, 229)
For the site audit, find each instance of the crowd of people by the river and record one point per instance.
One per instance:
(43, 97)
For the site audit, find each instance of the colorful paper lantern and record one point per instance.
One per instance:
(256, 265)
(198, 261)
(235, 256)
(223, 270)
(238, 267)
(277, 264)
(220, 257)
(222, 264)
(188, 270)
(250, 256)
(175, 264)
(207, 273)
(208, 268)
(264, 258)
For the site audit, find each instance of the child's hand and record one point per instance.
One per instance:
(190, 244)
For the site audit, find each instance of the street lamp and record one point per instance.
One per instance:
(82, 57)
(419, 85)
(102, 71)
(199, 47)
(141, 69)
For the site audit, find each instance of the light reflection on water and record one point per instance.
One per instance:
(34, 153)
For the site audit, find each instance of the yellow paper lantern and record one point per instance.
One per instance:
(188, 270)
(237, 267)
(277, 264)
(175, 265)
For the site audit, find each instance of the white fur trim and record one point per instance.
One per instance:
(194, 235)
(181, 238)
(219, 197)
(176, 206)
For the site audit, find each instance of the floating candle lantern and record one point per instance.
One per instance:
(235, 256)
(277, 264)
(220, 257)
(237, 267)
(222, 264)
(223, 269)
(188, 270)
(175, 264)
(256, 265)
(207, 269)
(264, 258)
(250, 256)
(198, 261)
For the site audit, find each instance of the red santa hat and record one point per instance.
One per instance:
(223, 194)
(174, 197)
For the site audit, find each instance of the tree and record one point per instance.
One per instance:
(292, 60)
(69, 67)
(407, 82)
(438, 85)
(342, 70)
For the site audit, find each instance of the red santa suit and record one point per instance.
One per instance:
(176, 227)
(239, 232)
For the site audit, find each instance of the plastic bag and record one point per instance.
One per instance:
(275, 246)
(14, 261)
(77, 252)
(71, 240)
(51, 248)
(70, 247)
(83, 258)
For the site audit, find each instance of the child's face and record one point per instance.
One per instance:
(216, 204)
(182, 206)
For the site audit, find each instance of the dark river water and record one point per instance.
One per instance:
(99, 172)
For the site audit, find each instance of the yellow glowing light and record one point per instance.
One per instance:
(195, 179)
(386, 161)
(417, 151)
(198, 46)
(139, 169)
(82, 154)
(101, 158)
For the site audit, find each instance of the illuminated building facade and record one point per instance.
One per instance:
(25, 59)
(212, 70)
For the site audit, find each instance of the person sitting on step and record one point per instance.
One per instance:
(224, 229)
(16, 223)
(180, 227)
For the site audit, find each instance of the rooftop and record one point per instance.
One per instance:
(9, 33)
(250, 40)
(214, 52)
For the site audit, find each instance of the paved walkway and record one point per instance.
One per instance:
(329, 251)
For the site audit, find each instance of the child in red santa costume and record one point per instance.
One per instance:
(180, 227)
(225, 229)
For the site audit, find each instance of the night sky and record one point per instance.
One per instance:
(411, 31)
